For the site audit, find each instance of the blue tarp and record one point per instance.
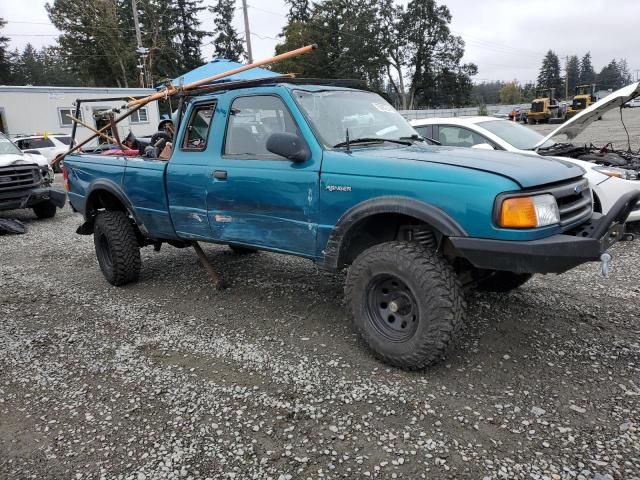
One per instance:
(221, 65)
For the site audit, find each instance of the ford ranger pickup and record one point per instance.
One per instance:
(337, 176)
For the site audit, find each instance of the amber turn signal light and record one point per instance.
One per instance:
(518, 212)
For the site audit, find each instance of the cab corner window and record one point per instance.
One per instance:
(197, 131)
(251, 121)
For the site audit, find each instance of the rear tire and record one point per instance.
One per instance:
(503, 282)
(45, 210)
(117, 248)
(238, 250)
(407, 303)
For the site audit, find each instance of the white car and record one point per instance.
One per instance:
(9, 154)
(633, 103)
(606, 177)
(50, 146)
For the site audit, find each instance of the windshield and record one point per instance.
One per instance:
(516, 135)
(7, 147)
(365, 114)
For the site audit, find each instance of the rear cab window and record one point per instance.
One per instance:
(196, 134)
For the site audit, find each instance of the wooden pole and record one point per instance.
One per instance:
(135, 105)
(106, 137)
(171, 90)
(97, 133)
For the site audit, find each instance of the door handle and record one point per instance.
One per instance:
(220, 174)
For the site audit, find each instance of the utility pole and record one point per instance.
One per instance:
(141, 51)
(247, 32)
(637, 74)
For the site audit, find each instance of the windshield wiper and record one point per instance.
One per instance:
(371, 140)
(422, 139)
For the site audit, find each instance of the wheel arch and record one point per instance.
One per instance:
(107, 195)
(377, 220)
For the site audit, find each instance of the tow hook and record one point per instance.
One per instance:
(627, 237)
(605, 258)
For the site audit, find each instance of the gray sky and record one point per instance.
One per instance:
(499, 34)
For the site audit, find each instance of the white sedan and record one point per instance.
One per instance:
(608, 182)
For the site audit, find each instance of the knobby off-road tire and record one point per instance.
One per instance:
(407, 303)
(238, 250)
(116, 248)
(503, 282)
(45, 210)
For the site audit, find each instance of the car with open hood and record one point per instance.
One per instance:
(611, 172)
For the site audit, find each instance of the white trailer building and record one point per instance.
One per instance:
(38, 110)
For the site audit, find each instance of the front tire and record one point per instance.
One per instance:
(117, 248)
(407, 303)
(503, 282)
(45, 210)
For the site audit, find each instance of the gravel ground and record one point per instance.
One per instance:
(169, 378)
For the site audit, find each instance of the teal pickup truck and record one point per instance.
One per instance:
(337, 176)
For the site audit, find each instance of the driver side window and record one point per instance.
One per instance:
(459, 137)
(252, 120)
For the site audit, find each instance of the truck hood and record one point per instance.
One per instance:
(526, 170)
(11, 158)
(571, 128)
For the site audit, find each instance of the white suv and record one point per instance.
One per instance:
(49, 146)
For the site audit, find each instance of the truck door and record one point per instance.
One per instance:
(189, 173)
(256, 197)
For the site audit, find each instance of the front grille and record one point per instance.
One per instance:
(15, 179)
(575, 202)
(579, 104)
(537, 107)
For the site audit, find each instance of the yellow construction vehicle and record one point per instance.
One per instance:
(545, 107)
(584, 96)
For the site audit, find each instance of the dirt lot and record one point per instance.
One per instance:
(169, 378)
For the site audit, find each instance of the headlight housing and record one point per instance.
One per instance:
(528, 212)
(618, 172)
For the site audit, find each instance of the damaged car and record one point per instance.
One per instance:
(26, 181)
(611, 172)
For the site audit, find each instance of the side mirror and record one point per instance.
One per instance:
(483, 146)
(289, 146)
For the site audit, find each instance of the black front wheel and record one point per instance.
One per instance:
(406, 302)
(116, 247)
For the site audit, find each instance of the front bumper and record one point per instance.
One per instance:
(30, 198)
(555, 254)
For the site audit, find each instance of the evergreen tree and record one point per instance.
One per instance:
(5, 57)
(573, 74)
(228, 43)
(587, 73)
(615, 75)
(549, 76)
(299, 10)
(98, 36)
(189, 34)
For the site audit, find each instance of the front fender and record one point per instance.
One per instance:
(429, 214)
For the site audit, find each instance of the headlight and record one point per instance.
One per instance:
(529, 212)
(618, 172)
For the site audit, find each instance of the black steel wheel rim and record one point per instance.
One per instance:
(104, 252)
(392, 308)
